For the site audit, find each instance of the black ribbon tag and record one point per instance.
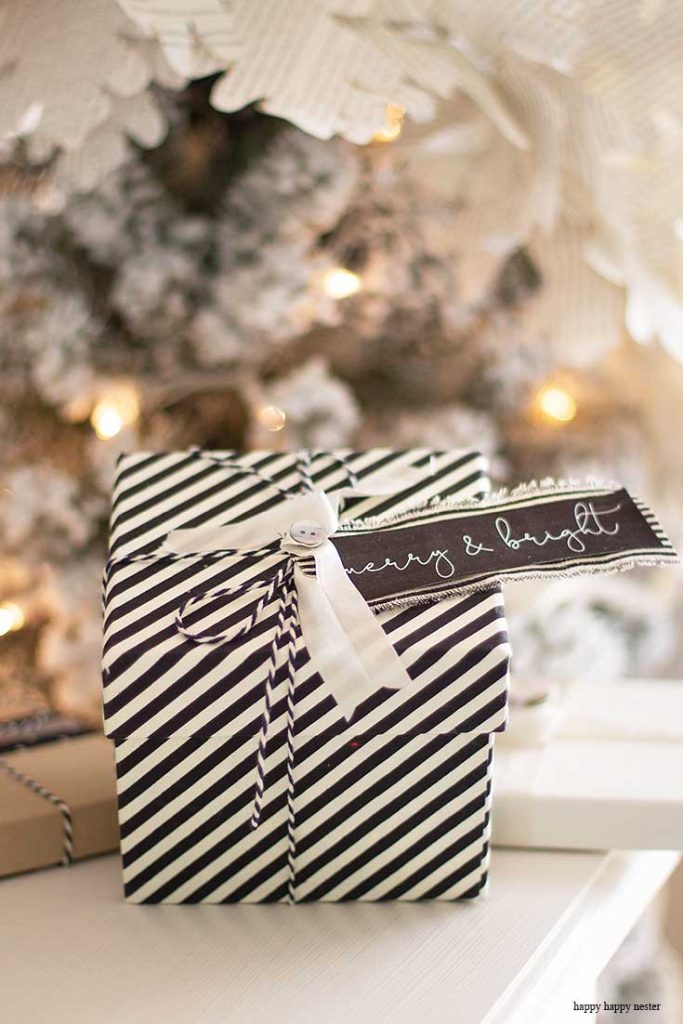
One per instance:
(450, 548)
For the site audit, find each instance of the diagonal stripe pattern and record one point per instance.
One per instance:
(392, 805)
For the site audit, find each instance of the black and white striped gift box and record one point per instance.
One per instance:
(394, 804)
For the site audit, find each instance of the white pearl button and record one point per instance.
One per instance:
(308, 533)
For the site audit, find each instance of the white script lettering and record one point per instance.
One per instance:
(587, 522)
(443, 566)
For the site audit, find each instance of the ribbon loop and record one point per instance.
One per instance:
(271, 590)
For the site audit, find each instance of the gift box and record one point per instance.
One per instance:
(243, 773)
(57, 801)
(305, 663)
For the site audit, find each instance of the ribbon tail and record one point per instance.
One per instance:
(346, 643)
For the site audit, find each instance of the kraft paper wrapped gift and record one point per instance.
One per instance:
(57, 803)
(306, 663)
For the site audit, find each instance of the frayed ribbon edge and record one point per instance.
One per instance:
(548, 487)
(494, 582)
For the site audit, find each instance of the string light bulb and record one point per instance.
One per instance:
(116, 409)
(556, 404)
(395, 115)
(12, 617)
(271, 417)
(340, 283)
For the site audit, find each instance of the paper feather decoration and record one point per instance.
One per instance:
(554, 126)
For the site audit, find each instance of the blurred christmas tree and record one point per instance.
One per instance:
(248, 285)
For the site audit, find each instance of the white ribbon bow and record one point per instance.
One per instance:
(346, 643)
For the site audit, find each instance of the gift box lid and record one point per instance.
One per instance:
(158, 683)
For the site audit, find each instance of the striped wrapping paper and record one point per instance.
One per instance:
(393, 804)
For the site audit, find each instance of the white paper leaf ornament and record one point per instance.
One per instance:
(73, 83)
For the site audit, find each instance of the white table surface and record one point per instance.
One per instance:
(71, 951)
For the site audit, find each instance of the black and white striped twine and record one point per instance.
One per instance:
(46, 794)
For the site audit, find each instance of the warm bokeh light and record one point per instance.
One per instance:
(271, 417)
(12, 617)
(554, 403)
(394, 123)
(106, 420)
(388, 134)
(339, 283)
(114, 411)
